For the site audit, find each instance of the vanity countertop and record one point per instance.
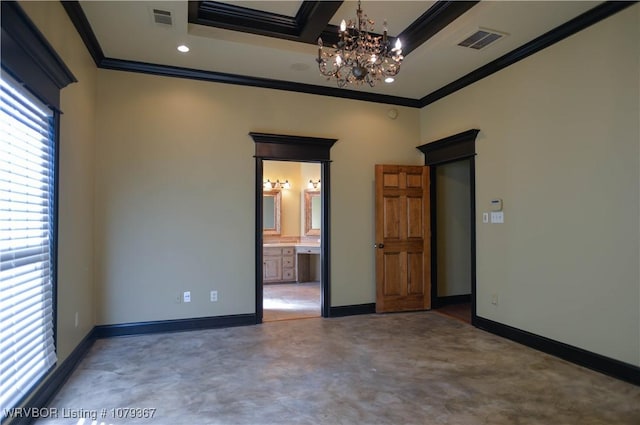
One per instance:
(281, 244)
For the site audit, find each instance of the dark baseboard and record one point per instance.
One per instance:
(43, 395)
(352, 310)
(52, 383)
(612, 367)
(178, 325)
(452, 299)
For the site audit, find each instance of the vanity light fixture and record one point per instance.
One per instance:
(269, 185)
(183, 48)
(314, 184)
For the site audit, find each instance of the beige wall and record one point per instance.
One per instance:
(174, 196)
(75, 210)
(175, 190)
(453, 209)
(559, 142)
(290, 198)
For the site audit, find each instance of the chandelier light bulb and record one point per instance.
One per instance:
(338, 60)
(343, 26)
(398, 45)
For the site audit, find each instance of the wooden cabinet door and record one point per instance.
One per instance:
(403, 257)
(272, 269)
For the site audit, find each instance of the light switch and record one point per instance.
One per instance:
(485, 217)
(497, 217)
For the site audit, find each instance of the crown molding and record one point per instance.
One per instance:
(547, 39)
(441, 9)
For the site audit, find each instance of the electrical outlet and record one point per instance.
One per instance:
(76, 321)
(214, 296)
(186, 297)
(178, 298)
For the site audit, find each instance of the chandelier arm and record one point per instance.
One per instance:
(359, 57)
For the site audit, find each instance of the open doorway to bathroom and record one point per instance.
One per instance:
(282, 147)
(291, 267)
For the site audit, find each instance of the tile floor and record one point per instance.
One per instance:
(409, 368)
(286, 301)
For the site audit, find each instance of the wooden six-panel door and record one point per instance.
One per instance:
(403, 257)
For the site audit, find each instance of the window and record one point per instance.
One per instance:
(27, 242)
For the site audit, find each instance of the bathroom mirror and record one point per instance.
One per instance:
(312, 212)
(271, 200)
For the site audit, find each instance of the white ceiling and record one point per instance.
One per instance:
(125, 30)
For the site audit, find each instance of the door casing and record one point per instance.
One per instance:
(279, 147)
(450, 149)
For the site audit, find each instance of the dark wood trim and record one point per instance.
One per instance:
(178, 325)
(292, 148)
(437, 17)
(452, 148)
(352, 310)
(612, 367)
(310, 20)
(79, 20)
(443, 10)
(56, 379)
(325, 238)
(259, 202)
(238, 18)
(29, 58)
(313, 17)
(219, 77)
(281, 147)
(557, 34)
(472, 190)
(81, 23)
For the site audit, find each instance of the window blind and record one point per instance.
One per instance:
(27, 348)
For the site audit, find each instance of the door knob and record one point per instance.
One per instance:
(378, 245)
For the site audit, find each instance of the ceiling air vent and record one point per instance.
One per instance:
(162, 17)
(481, 38)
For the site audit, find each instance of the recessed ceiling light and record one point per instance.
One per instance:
(182, 48)
(389, 80)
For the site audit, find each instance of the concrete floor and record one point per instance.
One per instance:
(410, 368)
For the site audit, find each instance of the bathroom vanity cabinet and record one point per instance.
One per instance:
(279, 264)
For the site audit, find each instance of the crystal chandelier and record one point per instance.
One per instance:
(360, 57)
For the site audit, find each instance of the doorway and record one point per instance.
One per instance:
(292, 208)
(452, 233)
(453, 237)
(278, 147)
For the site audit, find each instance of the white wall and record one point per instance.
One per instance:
(75, 209)
(559, 142)
(175, 190)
